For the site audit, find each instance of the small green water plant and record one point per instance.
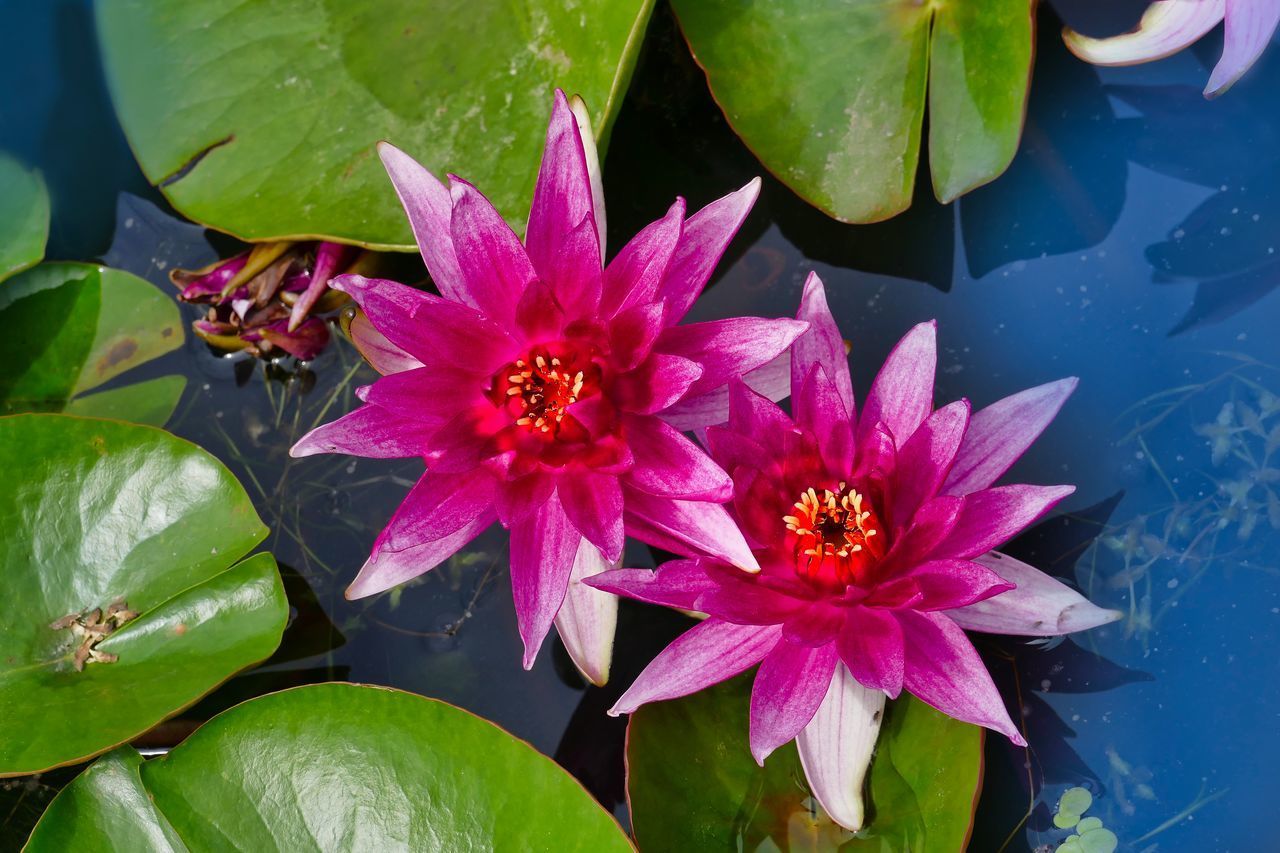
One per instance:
(1090, 836)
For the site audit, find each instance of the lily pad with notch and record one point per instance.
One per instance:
(127, 598)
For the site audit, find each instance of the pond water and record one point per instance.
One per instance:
(1132, 243)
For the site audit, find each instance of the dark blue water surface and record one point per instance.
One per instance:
(1132, 244)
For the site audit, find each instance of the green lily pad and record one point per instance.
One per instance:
(279, 103)
(24, 217)
(830, 94)
(107, 515)
(70, 328)
(693, 784)
(332, 767)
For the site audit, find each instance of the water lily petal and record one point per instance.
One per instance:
(991, 517)
(424, 394)
(593, 503)
(368, 431)
(543, 549)
(633, 332)
(429, 207)
(1249, 27)
(741, 598)
(925, 460)
(706, 235)
(821, 344)
(930, 527)
(758, 417)
(685, 527)
(999, 434)
(819, 409)
(1166, 28)
(676, 583)
(870, 644)
(726, 349)
(493, 262)
(1039, 605)
(588, 618)
(330, 257)
(670, 465)
(656, 384)
(588, 138)
(944, 670)
(836, 746)
(902, 394)
(389, 305)
(538, 314)
(562, 239)
(523, 495)
(771, 381)
(460, 338)
(706, 654)
(632, 278)
(385, 356)
(941, 585)
(789, 686)
(438, 505)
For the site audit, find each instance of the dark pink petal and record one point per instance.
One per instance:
(819, 409)
(875, 454)
(991, 517)
(519, 497)
(369, 431)
(632, 278)
(789, 686)
(588, 618)
(385, 356)
(870, 644)
(705, 237)
(677, 583)
(743, 599)
(438, 505)
(700, 657)
(753, 415)
(670, 465)
(1002, 432)
(543, 548)
(633, 332)
(330, 257)
(772, 381)
(461, 339)
(1250, 24)
(944, 670)
(727, 349)
(924, 461)
(424, 394)
(493, 263)
(562, 239)
(902, 394)
(389, 305)
(930, 526)
(733, 450)
(430, 209)
(1039, 606)
(703, 528)
(538, 314)
(657, 383)
(941, 585)
(304, 343)
(835, 748)
(821, 345)
(462, 442)
(593, 503)
(818, 624)
(196, 288)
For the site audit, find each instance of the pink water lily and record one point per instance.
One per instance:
(874, 533)
(1168, 26)
(536, 385)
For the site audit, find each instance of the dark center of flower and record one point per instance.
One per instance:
(837, 536)
(538, 389)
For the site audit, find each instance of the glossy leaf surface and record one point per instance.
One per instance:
(24, 217)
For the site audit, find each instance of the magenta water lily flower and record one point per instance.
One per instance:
(1171, 25)
(539, 384)
(874, 533)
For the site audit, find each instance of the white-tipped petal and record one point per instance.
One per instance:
(588, 617)
(836, 747)
(1166, 28)
(583, 120)
(1250, 26)
(1038, 606)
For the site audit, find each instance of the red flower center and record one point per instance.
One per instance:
(837, 536)
(538, 389)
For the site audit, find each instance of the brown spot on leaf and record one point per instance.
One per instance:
(120, 351)
(166, 332)
(180, 628)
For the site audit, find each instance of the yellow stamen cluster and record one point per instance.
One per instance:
(546, 390)
(835, 521)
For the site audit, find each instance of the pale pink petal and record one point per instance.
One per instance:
(385, 356)
(368, 431)
(727, 349)
(585, 133)
(821, 345)
(901, 396)
(389, 305)
(706, 235)
(870, 644)
(429, 207)
(562, 238)
(771, 381)
(656, 384)
(704, 655)
(940, 585)
(593, 503)
(819, 409)
(438, 505)
(543, 549)
(1250, 25)
(676, 583)
(703, 528)
(991, 517)
(836, 746)
(494, 265)
(633, 277)
(670, 465)
(925, 460)
(790, 684)
(944, 670)
(386, 569)
(1166, 28)
(1039, 605)
(1002, 432)
(588, 617)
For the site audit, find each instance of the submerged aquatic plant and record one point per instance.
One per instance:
(1171, 25)
(267, 300)
(874, 533)
(541, 388)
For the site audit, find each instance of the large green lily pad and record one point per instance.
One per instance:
(332, 767)
(24, 217)
(100, 513)
(69, 328)
(830, 94)
(279, 103)
(693, 784)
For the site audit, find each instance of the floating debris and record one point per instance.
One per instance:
(91, 627)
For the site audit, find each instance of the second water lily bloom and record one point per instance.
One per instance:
(538, 384)
(874, 533)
